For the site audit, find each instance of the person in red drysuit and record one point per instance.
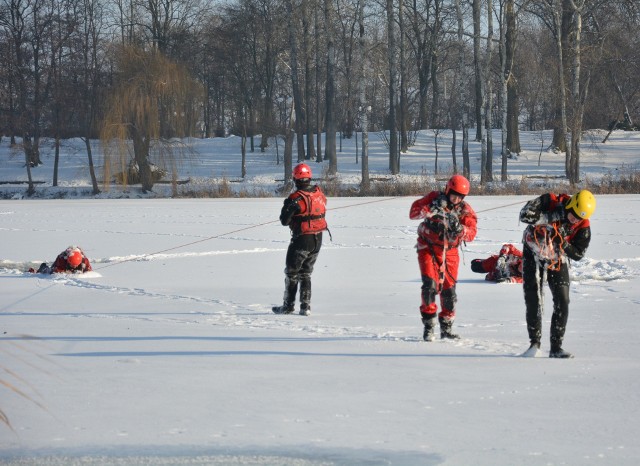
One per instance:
(447, 221)
(71, 260)
(505, 267)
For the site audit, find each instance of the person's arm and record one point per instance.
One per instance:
(532, 210)
(86, 265)
(577, 246)
(289, 209)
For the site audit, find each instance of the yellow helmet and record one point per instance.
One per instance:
(582, 203)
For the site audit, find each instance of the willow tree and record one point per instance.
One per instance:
(152, 101)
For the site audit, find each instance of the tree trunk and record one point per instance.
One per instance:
(512, 108)
(454, 142)
(477, 64)
(404, 104)
(488, 97)
(141, 155)
(308, 88)
(92, 169)
(466, 163)
(364, 122)
(56, 160)
(318, 100)
(295, 84)
(461, 108)
(243, 147)
(435, 100)
(576, 98)
(26, 146)
(562, 30)
(505, 73)
(394, 162)
(330, 141)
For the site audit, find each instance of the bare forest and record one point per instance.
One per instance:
(143, 75)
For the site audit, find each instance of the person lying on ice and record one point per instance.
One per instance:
(505, 267)
(71, 260)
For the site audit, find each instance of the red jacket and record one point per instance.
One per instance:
(304, 211)
(503, 267)
(61, 266)
(430, 208)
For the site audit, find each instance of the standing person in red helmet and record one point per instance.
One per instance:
(71, 260)
(303, 211)
(447, 221)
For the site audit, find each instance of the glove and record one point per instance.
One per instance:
(435, 224)
(529, 216)
(44, 268)
(530, 213)
(455, 228)
(559, 214)
(501, 266)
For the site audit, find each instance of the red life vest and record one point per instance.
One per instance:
(313, 206)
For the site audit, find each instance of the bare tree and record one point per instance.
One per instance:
(347, 16)
(89, 45)
(330, 94)
(462, 108)
(510, 141)
(146, 79)
(486, 172)
(298, 99)
(364, 107)
(308, 77)
(29, 25)
(394, 156)
(425, 35)
(509, 76)
(318, 80)
(477, 65)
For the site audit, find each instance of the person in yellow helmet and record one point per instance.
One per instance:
(558, 230)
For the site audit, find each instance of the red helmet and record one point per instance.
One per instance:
(74, 258)
(459, 184)
(301, 171)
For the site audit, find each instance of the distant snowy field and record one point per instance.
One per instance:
(212, 161)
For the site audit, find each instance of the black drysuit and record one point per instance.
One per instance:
(548, 224)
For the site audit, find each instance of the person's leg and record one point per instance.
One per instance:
(429, 270)
(314, 243)
(448, 296)
(533, 276)
(559, 283)
(296, 255)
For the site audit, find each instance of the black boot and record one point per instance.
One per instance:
(446, 326)
(305, 294)
(289, 300)
(559, 353)
(284, 309)
(429, 326)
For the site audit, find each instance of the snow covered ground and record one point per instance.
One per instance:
(168, 352)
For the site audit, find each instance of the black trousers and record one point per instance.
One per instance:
(301, 257)
(534, 273)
